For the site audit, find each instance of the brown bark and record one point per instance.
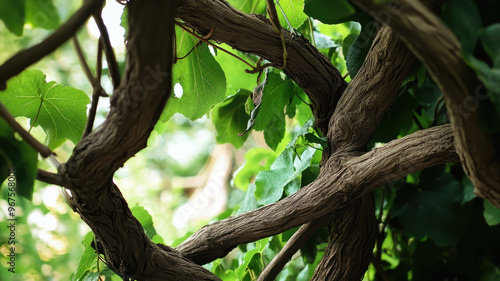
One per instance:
(135, 108)
(249, 33)
(343, 187)
(334, 189)
(438, 48)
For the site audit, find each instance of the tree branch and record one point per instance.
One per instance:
(331, 191)
(27, 57)
(48, 177)
(438, 48)
(251, 33)
(27, 137)
(114, 70)
(291, 247)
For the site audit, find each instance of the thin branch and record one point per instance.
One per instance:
(27, 57)
(291, 247)
(114, 70)
(97, 92)
(205, 40)
(27, 137)
(83, 61)
(48, 177)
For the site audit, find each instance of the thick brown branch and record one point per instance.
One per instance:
(370, 94)
(135, 108)
(254, 34)
(27, 57)
(437, 47)
(331, 191)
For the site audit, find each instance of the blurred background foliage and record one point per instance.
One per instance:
(432, 227)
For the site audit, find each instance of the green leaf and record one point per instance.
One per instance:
(271, 117)
(438, 196)
(491, 213)
(463, 18)
(293, 10)
(249, 6)
(256, 159)
(201, 77)
(143, 216)
(468, 190)
(42, 13)
(329, 11)
(19, 157)
(230, 118)
(12, 13)
(238, 78)
(87, 260)
(397, 121)
(249, 256)
(491, 43)
(92, 276)
(286, 168)
(359, 49)
(124, 22)
(59, 110)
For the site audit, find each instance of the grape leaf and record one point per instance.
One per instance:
(249, 6)
(230, 118)
(59, 110)
(143, 216)
(491, 213)
(19, 157)
(329, 11)
(201, 77)
(270, 184)
(358, 50)
(87, 261)
(437, 196)
(238, 79)
(271, 117)
(12, 13)
(42, 13)
(293, 10)
(256, 159)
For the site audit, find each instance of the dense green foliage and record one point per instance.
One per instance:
(432, 225)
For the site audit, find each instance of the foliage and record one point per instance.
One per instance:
(434, 228)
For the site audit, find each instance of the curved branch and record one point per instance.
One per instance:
(27, 57)
(370, 94)
(251, 33)
(438, 48)
(332, 190)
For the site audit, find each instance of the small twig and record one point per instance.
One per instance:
(48, 177)
(213, 45)
(83, 61)
(114, 70)
(27, 57)
(291, 247)
(97, 92)
(42, 149)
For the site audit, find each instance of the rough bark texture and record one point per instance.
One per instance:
(438, 48)
(330, 192)
(341, 193)
(310, 69)
(135, 108)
